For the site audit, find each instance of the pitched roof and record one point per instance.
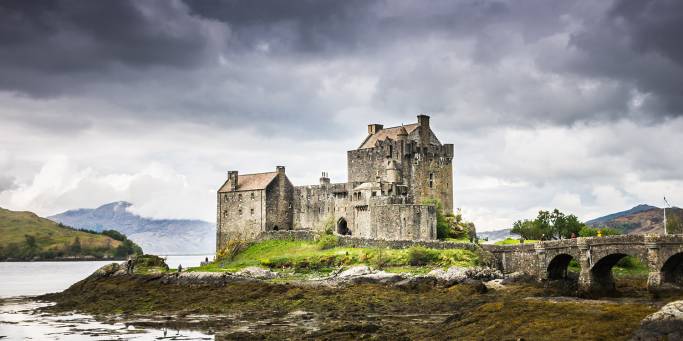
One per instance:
(250, 182)
(385, 133)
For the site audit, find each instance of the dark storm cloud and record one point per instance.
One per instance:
(47, 46)
(637, 42)
(233, 62)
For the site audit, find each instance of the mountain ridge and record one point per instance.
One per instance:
(157, 236)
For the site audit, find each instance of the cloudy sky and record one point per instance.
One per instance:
(570, 104)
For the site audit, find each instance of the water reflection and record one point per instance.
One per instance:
(20, 320)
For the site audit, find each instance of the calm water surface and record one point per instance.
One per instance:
(37, 278)
(19, 319)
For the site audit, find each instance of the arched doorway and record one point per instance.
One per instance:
(342, 228)
(276, 228)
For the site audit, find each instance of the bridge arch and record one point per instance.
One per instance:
(672, 270)
(558, 267)
(601, 276)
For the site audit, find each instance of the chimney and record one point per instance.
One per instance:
(423, 121)
(232, 180)
(280, 169)
(374, 128)
(324, 179)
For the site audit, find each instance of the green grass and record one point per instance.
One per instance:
(308, 256)
(510, 241)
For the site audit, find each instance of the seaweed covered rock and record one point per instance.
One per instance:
(665, 324)
(145, 264)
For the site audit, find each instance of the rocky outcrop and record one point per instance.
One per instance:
(665, 324)
(257, 273)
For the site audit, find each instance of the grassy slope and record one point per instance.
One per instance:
(307, 255)
(14, 226)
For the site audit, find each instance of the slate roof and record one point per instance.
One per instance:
(250, 182)
(391, 132)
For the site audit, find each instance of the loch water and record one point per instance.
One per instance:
(20, 318)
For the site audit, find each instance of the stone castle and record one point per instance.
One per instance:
(390, 175)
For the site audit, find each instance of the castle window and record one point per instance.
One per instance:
(252, 195)
(239, 197)
(431, 180)
(252, 211)
(240, 211)
(225, 213)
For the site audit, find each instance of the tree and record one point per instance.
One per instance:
(587, 231)
(548, 225)
(31, 241)
(113, 234)
(75, 247)
(451, 225)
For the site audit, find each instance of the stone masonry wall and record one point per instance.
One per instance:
(240, 215)
(279, 204)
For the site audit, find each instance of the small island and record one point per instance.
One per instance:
(28, 237)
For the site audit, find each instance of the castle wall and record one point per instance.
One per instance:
(433, 165)
(279, 204)
(314, 206)
(414, 222)
(240, 215)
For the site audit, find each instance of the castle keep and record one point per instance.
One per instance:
(390, 175)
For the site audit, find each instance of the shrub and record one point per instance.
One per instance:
(231, 249)
(150, 261)
(329, 226)
(327, 242)
(418, 255)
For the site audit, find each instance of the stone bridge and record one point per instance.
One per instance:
(663, 256)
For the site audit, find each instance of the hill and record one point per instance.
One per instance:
(497, 235)
(156, 236)
(642, 219)
(26, 236)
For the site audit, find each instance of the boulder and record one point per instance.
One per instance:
(258, 273)
(355, 271)
(476, 284)
(416, 282)
(517, 277)
(484, 274)
(381, 277)
(665, 324)
(196, 278)
(450, 277)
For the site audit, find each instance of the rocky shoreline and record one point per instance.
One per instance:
(358, 302)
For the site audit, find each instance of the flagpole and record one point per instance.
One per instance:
(666, 203)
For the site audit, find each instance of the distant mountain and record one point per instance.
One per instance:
(155, 236)
(642, 219)
(494, 236)
(26, 236)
